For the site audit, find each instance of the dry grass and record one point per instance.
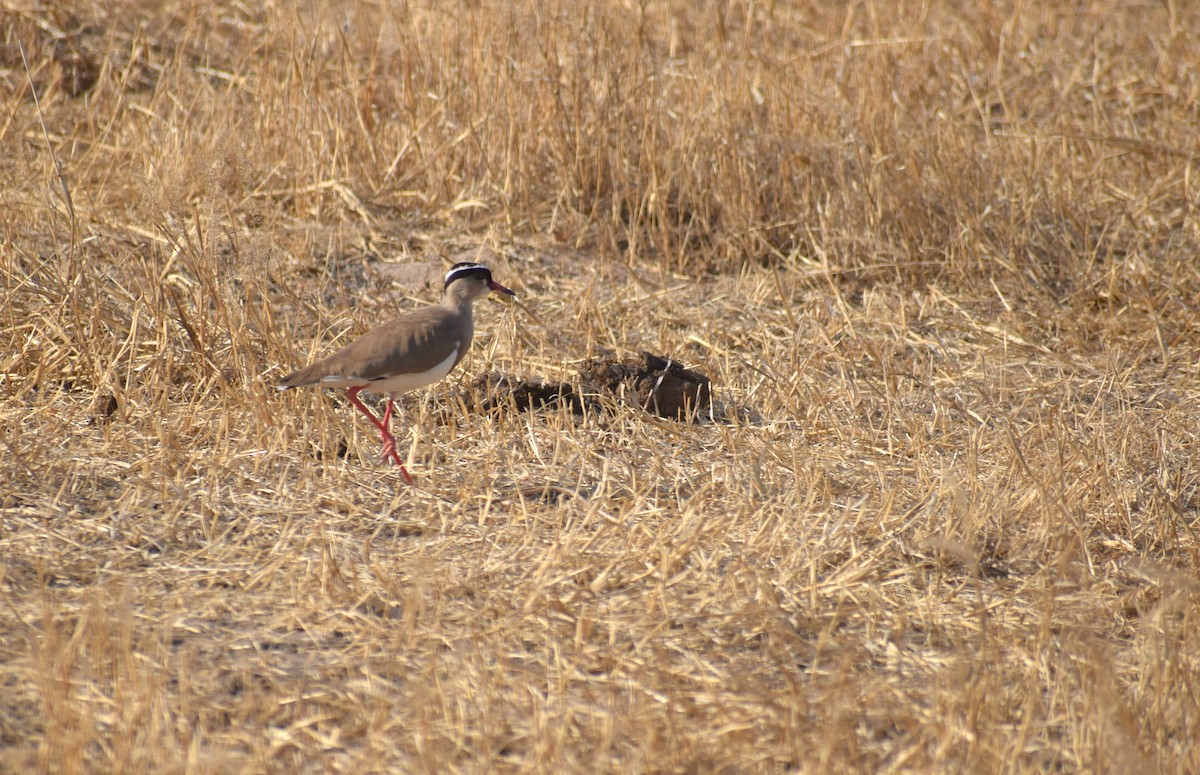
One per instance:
(940, 261)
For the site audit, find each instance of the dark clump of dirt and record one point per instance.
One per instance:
(104, 406)
(656, 384)
(495, 391)
(651, 382)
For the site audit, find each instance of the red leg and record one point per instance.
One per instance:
(389, 441)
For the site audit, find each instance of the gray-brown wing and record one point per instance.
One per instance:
(410, 344)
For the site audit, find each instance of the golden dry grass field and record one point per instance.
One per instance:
(941, 260)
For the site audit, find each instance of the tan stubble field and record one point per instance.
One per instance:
(939, 259)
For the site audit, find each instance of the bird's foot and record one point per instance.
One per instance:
(389, 451)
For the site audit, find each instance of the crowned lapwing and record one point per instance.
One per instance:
(415, 350)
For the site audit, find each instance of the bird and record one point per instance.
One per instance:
(413, 351)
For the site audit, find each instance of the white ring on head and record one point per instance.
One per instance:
(465, 268)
